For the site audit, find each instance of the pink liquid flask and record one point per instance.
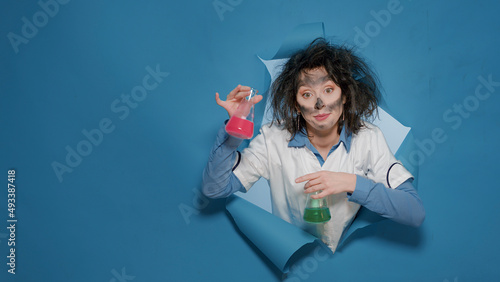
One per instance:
(241, 123)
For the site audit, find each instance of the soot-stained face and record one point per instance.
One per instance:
(319, 101)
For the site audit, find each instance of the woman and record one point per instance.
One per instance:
(318, 141)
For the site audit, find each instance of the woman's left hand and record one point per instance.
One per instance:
(328, 182)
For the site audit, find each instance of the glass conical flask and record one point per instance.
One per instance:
(316, 210)
(241, 123)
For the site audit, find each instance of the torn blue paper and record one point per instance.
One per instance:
(251, 211)
(277, 239)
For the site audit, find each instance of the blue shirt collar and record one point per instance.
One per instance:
(300, 140)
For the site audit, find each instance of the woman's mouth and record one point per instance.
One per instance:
(321, 117)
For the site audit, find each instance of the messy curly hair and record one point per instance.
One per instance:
(358, 83)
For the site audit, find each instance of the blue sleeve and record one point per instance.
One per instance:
(402, 204)
(219, 180)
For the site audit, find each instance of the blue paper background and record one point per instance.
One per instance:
(131, 210)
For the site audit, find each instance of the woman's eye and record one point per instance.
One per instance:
(306, 95)
(329, 90)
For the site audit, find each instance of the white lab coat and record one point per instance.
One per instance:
(269, 156)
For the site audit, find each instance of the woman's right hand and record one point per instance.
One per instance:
(234, 98)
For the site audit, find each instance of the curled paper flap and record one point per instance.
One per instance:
(394, 132)
(277, 239)
(364, 218)
(274, 66)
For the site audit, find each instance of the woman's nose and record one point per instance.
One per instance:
(319, 104)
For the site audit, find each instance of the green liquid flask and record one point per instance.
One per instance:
(317, 210)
